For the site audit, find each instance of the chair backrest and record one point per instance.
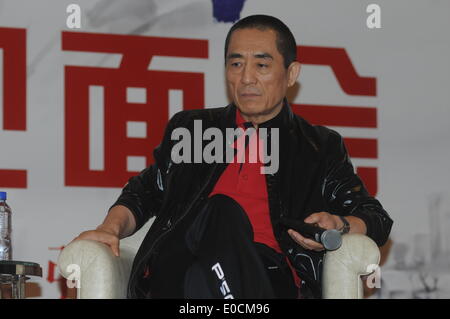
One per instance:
(130, 245)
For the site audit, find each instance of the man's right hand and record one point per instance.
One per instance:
(118, 224)
(103, 235)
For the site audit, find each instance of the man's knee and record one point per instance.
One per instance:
(219, 218)
(224, 203)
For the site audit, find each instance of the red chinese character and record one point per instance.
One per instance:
(133, 72)
(349, 116)
(13, 43)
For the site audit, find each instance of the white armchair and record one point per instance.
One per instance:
(105, 276)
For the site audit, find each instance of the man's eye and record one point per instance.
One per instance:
(262, 65)
(236, 64)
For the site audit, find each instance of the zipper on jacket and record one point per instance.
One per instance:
(169, 223)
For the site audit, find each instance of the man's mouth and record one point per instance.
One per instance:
(250, 94)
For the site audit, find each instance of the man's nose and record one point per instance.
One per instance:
(248, 75)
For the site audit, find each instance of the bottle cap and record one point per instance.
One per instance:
(2, 195)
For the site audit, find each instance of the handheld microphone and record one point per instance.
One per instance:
(331, 239)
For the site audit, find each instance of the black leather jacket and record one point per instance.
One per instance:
(315, 174)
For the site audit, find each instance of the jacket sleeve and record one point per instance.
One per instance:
(346, 195)
(143, 194)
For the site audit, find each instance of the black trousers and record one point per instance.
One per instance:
(212, 255)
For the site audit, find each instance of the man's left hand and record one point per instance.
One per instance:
(322, 219)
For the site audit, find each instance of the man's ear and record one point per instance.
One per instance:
(293, 73)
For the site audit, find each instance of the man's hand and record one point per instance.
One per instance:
(103, 235)
(118, 224)
(322, 219)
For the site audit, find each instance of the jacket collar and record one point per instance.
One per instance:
(282, 120)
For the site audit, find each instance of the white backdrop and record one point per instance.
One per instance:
(408, 57)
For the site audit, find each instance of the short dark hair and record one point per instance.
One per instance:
(285, 39)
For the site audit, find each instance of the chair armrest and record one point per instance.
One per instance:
(343, 267)
(101, 274)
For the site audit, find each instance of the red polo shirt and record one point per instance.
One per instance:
(247, 185)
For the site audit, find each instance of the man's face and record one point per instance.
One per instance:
(257, 80)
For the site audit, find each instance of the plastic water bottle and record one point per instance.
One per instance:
(5, 229)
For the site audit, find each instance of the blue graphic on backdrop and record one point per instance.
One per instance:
(227, 10)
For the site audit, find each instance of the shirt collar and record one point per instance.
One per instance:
(276, 121)
(240, 121)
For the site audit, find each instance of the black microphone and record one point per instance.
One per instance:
(331, 239)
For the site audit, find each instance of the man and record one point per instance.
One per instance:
(218, 231)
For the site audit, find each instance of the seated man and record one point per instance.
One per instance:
(218, 230)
